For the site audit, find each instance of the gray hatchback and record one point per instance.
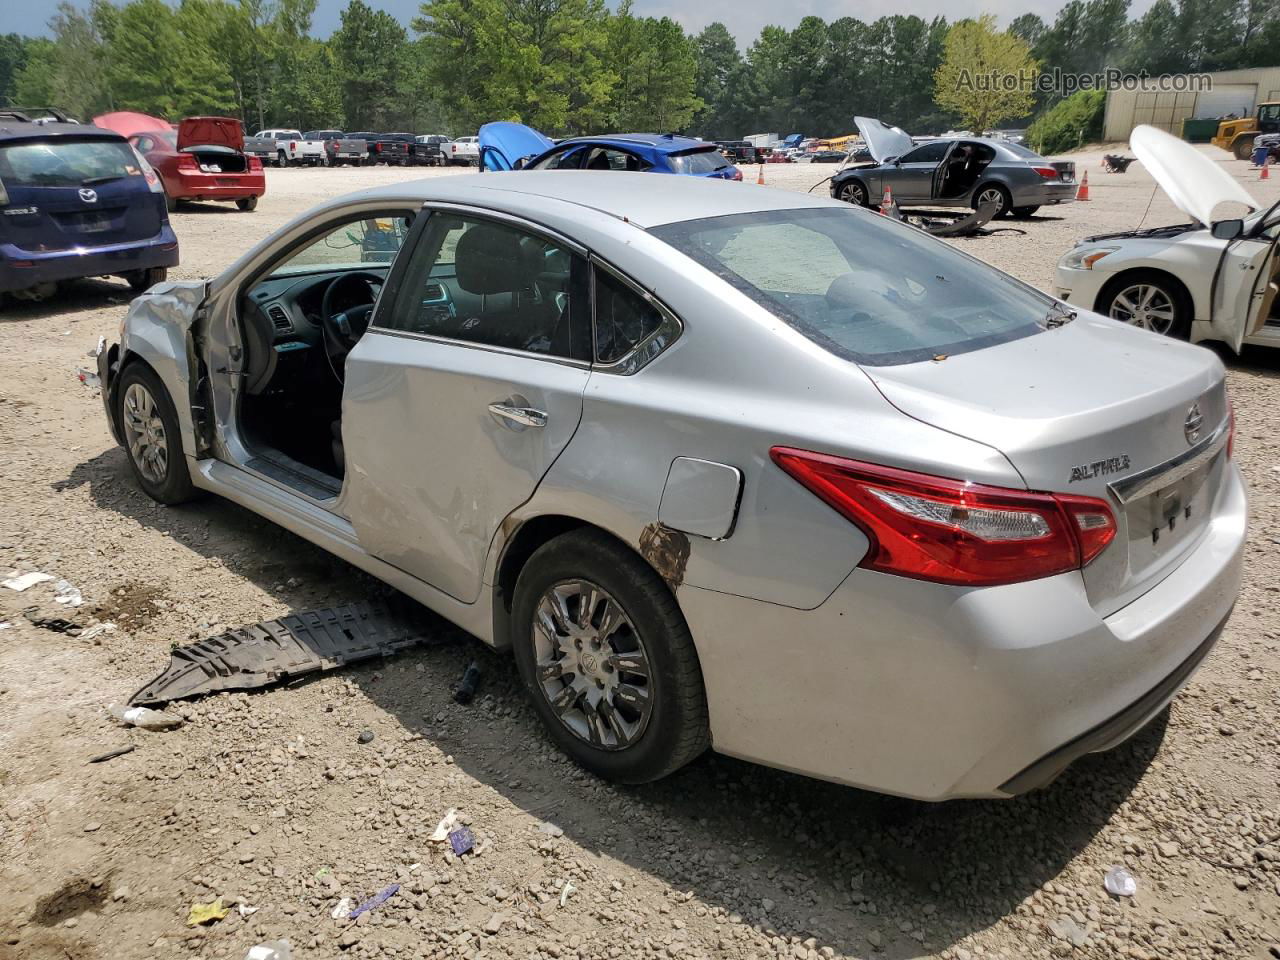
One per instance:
(722, 467)
(954, 172)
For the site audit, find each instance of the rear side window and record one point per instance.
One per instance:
(66, 163)
(623, 318)
(1021, 152)
(866, 289)
(700, 161)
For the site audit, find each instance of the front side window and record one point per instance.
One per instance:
(607, 158)
(358, 243)
(568, 159)
(67, 163)
(483, 282)
(929, 153)
(868, 290)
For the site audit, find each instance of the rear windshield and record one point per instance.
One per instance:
(865, 288)
(700, 161)
(66, 163)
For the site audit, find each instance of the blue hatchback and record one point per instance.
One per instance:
(514, 146)
(78, 201)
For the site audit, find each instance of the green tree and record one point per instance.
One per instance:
(13, 57)
(717, 58)
(368, 49)
(1029, 28)
(972, 78)
(33, 86)
(161, 61)
(657, 65)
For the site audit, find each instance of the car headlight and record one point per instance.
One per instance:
(1083, 258)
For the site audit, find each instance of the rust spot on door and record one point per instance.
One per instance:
(667, 551)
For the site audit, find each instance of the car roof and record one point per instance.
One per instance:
(642, 199)
(53, 131)
(658, 141)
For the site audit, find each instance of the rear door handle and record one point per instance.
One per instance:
(524, 416)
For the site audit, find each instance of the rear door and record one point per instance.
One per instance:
(464, 391)
(75, 192)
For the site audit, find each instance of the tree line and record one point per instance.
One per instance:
(575, 66)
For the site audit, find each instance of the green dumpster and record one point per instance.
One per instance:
(1199, 131)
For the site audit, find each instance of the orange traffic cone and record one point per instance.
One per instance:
(886, 202)
(1083, 192)
(760, 175)
(1266, 172)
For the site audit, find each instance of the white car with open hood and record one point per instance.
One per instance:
(1204, 280)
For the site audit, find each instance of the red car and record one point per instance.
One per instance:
(203, 159)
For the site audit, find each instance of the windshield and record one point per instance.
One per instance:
(866, 289)
(699, 161)
(66, 163)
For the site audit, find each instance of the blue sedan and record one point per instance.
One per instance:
(514, 146)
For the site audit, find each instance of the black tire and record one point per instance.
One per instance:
(282, 160)
(174, 486)
(247, 204)
(854, 192)
(140, 280)
(1242, 148)
(1006, 201)
(676, 731)
(1023, 212)
(170, 203)
(1170, 288)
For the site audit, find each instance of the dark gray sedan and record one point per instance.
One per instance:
(953, 172)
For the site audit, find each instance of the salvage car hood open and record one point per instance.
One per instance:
(210, 132)
(883, 142)
(1194, 183)
(503, 145)
(127, 123)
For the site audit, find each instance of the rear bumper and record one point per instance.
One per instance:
(940, 692)
(20, 269)
(1044, 195)
(216, 186)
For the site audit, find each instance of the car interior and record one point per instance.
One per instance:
(962, 168)
(299, 322)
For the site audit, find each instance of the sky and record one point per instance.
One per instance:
(744, 18)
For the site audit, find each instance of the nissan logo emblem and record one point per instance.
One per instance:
(88, 195)
(1191, 425)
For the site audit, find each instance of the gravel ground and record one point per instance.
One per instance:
(270, 801)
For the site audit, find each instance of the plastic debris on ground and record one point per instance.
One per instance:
(1065, 928)
(66, 593)
(97, 630)
(377, 900)
(550, 829)
(1120, 882)
(245, 910)
(441, 832)
(567, 889)
(5, 625)
(342, 909)
(20, 582)
(465, 692)
(88, 378)
(273, 950)
(112, 754)
(203, 913)
(462, 841)
(144, 718)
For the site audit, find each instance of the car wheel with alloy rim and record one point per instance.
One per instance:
(1148, 300)
(607, 658)
(151, 436)
(854, 192)
(993, 193)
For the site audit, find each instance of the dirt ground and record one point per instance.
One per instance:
(269, 800)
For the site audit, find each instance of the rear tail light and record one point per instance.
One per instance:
(949, 531)
(1049, 173)
(187, 162)
(255, 163)
(377, 148)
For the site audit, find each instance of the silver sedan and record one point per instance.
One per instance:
(723, 467)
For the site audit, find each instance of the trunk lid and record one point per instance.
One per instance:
(1098, 409)
(210, 132)
(1195, 183)
(1066, 170)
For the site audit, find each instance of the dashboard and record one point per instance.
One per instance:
(292, 303)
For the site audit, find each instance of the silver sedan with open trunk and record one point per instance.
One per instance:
(725, 468)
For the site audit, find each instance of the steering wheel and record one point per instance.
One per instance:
(342, 329)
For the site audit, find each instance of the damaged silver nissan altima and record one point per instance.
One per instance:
(747, 470)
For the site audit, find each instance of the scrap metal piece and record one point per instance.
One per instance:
(964, 227)
(291, 646)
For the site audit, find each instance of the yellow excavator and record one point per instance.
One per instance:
(1236, 136)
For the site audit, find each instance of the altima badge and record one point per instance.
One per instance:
(1100, 468)
(1191, 426)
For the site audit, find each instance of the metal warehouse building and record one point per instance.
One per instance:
(1233, 91)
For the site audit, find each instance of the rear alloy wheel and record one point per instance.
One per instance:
(247, 204)
(607, 659)
(853, 192)
(1148, 301)
(152, 438)
(993, 193)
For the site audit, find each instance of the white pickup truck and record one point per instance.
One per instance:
(292, 148)
(464, 150)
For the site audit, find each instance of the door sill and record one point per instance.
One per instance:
(282, 469)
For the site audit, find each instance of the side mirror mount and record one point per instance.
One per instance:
(1227, 229)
